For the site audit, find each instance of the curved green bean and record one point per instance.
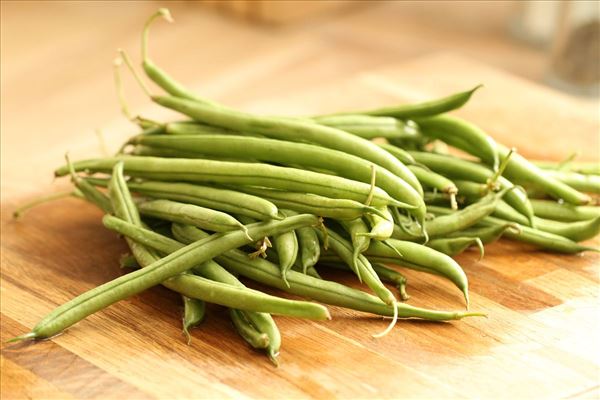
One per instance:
(249, 333)
(456, 245)
(193, 313)
(448, 129)
(417, 110)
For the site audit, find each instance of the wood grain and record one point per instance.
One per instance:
(541, 337)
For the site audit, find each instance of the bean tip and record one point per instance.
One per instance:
(25, 336)
(391, 325)
(166, 14)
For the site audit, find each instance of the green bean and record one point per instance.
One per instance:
(385, 275)
(364, 270)
(288, 154)
(449, 128)
(582, 167)
(286, 245)
(175, 263)
(308, 245)
(229, 201)
(249, 333)
(487, 234)
(194, 128)
(471, 190)
(456, 245)
(340, 209)
(358, 231)
(157, 75)
(564, 212)
(184, 213)
(460, 220)
(581, 182)
(370, 127)
(261, 321)
(392, 276)
(430, 179)
(294, 130)
(22, 209)
(147, 151)
(91, 194)
(324, 291)
(298, 268)
(193, 314)
(536, 237)
(420, 258)
(122, 204)
(417, 110)
(577, 231)
(381, 228)
(456, 168)
(237, 173)
(399, 153)
(519, 169)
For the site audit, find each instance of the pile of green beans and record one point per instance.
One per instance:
(226, 195)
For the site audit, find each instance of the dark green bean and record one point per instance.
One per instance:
(324, 291)
(193, 314)
(249, 333)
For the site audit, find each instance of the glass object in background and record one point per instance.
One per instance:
(575, 57)
(570, 31)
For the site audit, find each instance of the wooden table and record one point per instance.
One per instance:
(540, 340)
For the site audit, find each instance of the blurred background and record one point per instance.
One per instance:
(56, 57)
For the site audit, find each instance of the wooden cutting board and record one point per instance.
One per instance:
(540, 340)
